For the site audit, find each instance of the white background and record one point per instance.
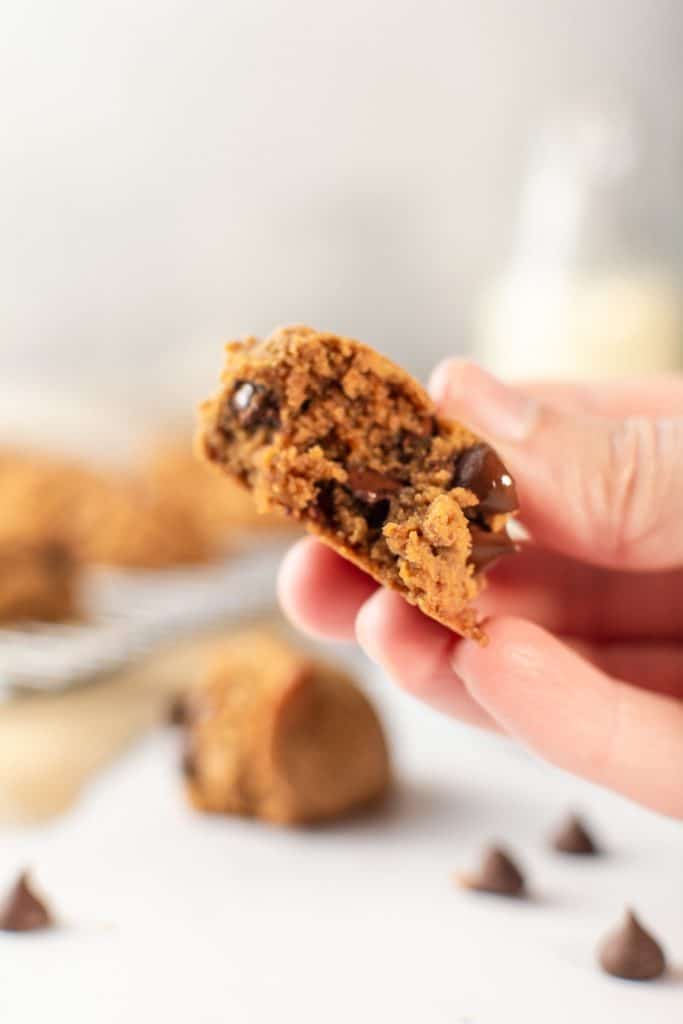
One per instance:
(170, 916)
(173, 173)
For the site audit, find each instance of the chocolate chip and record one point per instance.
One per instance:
(376, 515)
(573, 837)
(372, 491)
(480, 470)
(255, 405)
(488, 547)
(369, 486)
(178, 711)
(497, 874)
(23, 910)
(632, 953)
(322, 509)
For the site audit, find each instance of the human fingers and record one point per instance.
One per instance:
(660, 395)
(574, 598)
(609, 491)
(657, 667)
(416, 652)
(320, 592)
(573, 714)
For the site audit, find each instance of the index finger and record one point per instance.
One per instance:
(660, 395)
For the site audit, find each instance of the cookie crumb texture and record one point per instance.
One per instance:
(273, 734)
(331, 433)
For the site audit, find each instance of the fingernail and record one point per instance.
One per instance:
(488, 406)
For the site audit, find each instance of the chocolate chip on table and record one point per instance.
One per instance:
(488, 547)
(255, 405)
(631, 952)
(369, 486)
(23, 911)
(573, 837)
(497, 874)
(479, 470)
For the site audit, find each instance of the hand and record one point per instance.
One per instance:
(585, 659)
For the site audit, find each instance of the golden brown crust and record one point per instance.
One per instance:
(276, 735)
(333, 434)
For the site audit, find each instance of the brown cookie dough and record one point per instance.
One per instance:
(106, 518)
(38, 582)
(329, 432)
(273, 734)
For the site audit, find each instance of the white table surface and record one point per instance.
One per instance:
(173, 917)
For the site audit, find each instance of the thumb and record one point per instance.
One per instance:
(608, 491)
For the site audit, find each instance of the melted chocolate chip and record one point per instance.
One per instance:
(255, 405)
(23, 910)
(322, 510)
(370, 486)
(488, 547)
(372, 492)
(573, 837)
(480, 470)
(376, 515)
(498, 874)
(632, 953)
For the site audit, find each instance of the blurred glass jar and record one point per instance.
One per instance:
(594, 287)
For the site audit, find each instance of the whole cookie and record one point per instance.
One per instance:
(275, 735)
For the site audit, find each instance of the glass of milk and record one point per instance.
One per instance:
(593, 288)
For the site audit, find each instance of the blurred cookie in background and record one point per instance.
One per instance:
(273, 733)
(164, 510)
(178, 478)
(107, 517)
(38, 582)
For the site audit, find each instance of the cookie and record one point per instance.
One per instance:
(332, 434)
(274, 734)
(221, 509)
(105, 517)
(120, 523)
(38, 582)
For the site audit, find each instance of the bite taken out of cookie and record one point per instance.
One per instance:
(329, 432)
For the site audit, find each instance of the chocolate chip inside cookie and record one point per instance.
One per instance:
(327, 431)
